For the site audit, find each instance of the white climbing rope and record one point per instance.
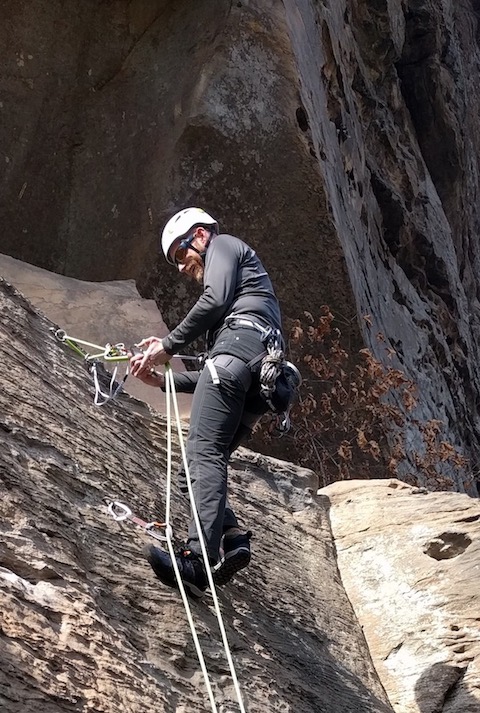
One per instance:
(171, 397)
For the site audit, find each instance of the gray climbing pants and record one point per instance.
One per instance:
(215, 420)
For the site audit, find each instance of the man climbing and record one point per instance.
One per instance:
(238, 311)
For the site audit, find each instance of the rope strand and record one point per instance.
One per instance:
(171, 395)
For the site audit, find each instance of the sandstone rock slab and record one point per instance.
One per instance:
(409, 560)
(98, 312)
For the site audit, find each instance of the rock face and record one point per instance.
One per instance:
(409, 561)
(392, 90)
(84, 624)
(340, 138)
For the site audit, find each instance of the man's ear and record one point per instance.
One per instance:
(204, 236)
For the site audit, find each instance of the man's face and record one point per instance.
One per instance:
(187, 258)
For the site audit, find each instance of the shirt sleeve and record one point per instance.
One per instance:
(219, 280)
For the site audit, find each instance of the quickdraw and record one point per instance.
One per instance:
(111, 353)
(119, 511)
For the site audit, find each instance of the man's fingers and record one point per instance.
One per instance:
(153, 354)
(138, 364)
(147, 342)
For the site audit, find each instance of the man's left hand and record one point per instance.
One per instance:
(154, 354)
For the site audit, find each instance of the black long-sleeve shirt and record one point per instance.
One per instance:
(235, 283)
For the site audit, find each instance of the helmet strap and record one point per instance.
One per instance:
(204, 252)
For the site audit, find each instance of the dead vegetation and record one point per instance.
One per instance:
(356, 424)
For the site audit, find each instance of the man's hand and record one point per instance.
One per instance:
(153, 378)
(154, 353)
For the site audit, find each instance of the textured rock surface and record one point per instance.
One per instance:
(84, 624)
(409, 561)
(137, 108)
(326, 133)
(389, 84)
(96, 312)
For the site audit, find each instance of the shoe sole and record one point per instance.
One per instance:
(229, 565)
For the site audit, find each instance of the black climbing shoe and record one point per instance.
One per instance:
(236, 556)
(190, 566)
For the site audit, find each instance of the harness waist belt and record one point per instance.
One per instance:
(247, 322)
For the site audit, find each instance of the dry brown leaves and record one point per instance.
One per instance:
(355, 425)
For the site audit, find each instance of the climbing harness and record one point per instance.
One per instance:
(279, 378)
(210, 364)
(121, 512)
(265, 332)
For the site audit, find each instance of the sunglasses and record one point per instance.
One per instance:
(184, 246)
(181, 251)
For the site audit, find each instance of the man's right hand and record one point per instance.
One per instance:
(152, 378)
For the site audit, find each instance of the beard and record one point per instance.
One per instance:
(194, 268)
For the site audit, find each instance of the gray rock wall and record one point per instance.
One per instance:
(392, 94)
(339, 138)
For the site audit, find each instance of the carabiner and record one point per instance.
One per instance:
(123, 515)
(59, 334)
(151, 526)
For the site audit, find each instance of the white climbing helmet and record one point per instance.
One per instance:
(181, 224)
